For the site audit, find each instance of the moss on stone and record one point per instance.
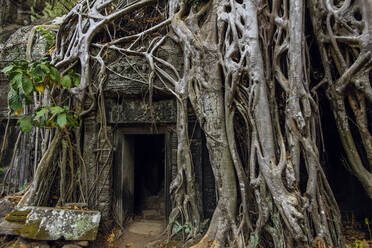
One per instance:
(18, 215)
(33, 230)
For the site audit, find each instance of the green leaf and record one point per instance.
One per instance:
(27, 85)
(14, 100)
(38, 74)
(8, 69)
(16, 81)
(76, 79)
(62, 120)
(178, 228)
(40, 113)
(56, 110)
(26, 124)
(45, 68)
(54, 74)
(72, 121)
(66, 82)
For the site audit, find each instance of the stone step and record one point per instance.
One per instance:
(153, 214)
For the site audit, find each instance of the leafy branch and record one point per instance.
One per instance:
(39, 77)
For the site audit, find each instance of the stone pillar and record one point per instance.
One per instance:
(98, 159)
(104, 189)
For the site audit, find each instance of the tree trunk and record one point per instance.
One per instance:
(247, 72)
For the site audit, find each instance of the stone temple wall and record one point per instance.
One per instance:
(13, 49)
(98, 159)
(127, 105)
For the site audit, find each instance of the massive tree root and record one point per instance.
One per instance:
(247, 72)
(344, 42)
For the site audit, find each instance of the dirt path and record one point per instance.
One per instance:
(141, 232)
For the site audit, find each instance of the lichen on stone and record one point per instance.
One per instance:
(43, 223)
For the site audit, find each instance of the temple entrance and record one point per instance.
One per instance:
(139, 176)
(149, 174)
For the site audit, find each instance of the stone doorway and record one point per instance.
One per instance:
(149, 175)
(140, 178)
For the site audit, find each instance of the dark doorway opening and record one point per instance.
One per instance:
(149, 174)
(139, 175)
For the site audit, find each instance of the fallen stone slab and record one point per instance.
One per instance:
(5, 207)
(42, 223)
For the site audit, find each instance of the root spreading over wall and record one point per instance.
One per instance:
(250, 71)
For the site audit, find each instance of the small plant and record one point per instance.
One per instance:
(179, 227)
(359, 244)
(27, 78)
(48, 36)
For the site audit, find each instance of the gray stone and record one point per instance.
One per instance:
(9, 228)
(136, 111)
(5, 207)
(43, 223)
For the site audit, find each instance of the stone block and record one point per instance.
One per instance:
(42, 223)
(5, 207)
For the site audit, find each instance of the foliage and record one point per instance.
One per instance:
(359, 244)
(58, 8)
(179, 227)
(39, 77)
(53, 9)
(48, 36)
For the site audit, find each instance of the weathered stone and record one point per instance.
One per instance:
(18, 215)
(5, 207)
(43, 223)
(9, 228)
(136, 111)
